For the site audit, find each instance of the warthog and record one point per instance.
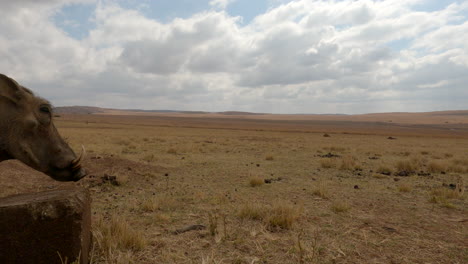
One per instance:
(27, 133)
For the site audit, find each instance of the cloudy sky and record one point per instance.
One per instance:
(275, 56)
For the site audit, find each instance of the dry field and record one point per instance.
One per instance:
(181, 189)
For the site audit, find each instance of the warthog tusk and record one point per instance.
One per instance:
(76, 163)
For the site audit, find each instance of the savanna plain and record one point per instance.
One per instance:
(187, 188)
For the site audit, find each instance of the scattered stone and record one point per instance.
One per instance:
(389, 229)
(396, 179)
(404, 173)
(374, 158)
(422, 173)
(189, 228)
(110, 179)
(356, 186)
(258, 165)
(329, 155)
(392, 138)
(273, 180)
(326, 135)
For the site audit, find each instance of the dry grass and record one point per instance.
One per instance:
(172, 151)
(406, 165)
(436, 166)
(384, 169)
(446, 193)
(340, 207)
(328, 163)
(282, 216)
(405, 187)
(256, 181)
(116, 241)
(350, 163)
(321, 190)
(308, 212)
(252, 211)
(276, 217)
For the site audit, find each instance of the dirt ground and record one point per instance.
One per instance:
(181, 189)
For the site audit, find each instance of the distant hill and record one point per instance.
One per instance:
(97, 110)
(438, 117)
(239, 113)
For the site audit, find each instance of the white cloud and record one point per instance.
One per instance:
(301, 56)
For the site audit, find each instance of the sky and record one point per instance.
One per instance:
(268, 56)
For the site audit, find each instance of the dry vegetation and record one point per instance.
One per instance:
(247, 194)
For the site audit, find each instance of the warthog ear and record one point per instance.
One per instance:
(9, 89)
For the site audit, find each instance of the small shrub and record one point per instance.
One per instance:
(252, 211)
(282, 216)
(117, 234)
(321, 191)
(436, 166)
(269, 157)
(150, 205)
(340, 207)
(404, 187)
(172, 151)
(384, 169)
(327, 163)
(409, 166)
(149, 158)
(256, 181)
(349, 163)
(446, 193)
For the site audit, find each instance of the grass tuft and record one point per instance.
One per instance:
(116, 239)
(340, 207)
(252, 211)
(282, 216)
(256, 181)
(437, 166)
(279, 216)
(327, 163)
(321, 190)
(350, 163)
(405, 187)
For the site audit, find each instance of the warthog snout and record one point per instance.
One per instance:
(27, 133)
(67, 167)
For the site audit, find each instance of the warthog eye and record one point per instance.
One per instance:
(44, 109)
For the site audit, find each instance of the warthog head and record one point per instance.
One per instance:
(27, 133)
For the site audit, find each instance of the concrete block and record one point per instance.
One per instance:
(46, 227)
